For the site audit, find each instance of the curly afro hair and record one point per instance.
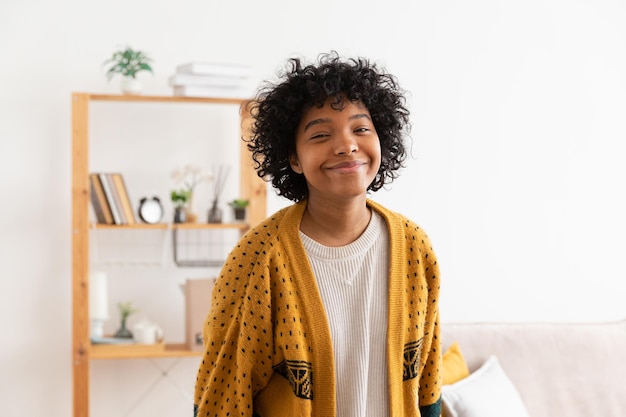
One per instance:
(278, 109)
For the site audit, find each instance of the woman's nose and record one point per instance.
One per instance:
(346, 144)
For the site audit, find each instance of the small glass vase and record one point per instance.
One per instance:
(191, 216)
(123, 332)
(215, 213)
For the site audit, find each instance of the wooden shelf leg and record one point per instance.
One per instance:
(80, 254)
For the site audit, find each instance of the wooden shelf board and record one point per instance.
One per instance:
(133, 351)
(211, 226)
(163, 99)
(174, 226)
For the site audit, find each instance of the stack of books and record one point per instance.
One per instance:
(207, 79)
(109, 199)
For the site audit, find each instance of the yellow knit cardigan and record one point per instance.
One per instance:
(268, 344)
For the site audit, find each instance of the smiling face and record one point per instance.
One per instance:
(337, 151)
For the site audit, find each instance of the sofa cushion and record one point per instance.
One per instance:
(559, 369)
(487, 392)
(454, 366)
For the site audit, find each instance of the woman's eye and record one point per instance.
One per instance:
(362, 130)
(319, 135)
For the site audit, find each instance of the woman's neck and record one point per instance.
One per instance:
(335, 223)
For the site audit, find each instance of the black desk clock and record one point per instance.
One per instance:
(150, 210)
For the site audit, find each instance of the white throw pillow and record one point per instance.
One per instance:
(487, 392)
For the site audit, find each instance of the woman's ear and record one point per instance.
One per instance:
(295, 164)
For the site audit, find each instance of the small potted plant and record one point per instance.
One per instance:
(180, 198)
(239, 208)
(126, 309)
(128, 63)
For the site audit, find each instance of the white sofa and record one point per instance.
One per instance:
(558, 369)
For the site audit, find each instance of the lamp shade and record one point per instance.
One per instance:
(98, 296)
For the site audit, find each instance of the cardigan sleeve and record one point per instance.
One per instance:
(237, 361)
(431, 379)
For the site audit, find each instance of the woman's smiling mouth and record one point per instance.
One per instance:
(347, 167)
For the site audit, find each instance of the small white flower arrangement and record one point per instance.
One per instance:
(187, 179)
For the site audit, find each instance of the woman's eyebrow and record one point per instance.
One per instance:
(315, 122)
(326, 120)
(361, 116)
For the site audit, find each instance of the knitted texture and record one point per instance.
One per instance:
(268, 342)
(352, 280)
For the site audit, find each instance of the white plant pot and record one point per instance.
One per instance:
(131, 86)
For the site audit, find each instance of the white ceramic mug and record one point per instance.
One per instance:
(147, 333)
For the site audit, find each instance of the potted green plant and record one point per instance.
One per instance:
(128, 62)
(180, 198)
(239, 208)
(126, 309)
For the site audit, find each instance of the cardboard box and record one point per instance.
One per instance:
(197, 306)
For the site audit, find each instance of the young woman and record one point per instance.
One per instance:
(330, 306)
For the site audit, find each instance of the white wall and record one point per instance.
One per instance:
(518, 111)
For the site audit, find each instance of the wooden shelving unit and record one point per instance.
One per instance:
(251, 187)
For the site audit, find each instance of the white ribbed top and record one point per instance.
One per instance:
(352, 280)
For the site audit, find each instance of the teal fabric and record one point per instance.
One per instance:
(433, 410)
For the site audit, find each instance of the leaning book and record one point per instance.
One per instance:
(124, 199)
(99, 200)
